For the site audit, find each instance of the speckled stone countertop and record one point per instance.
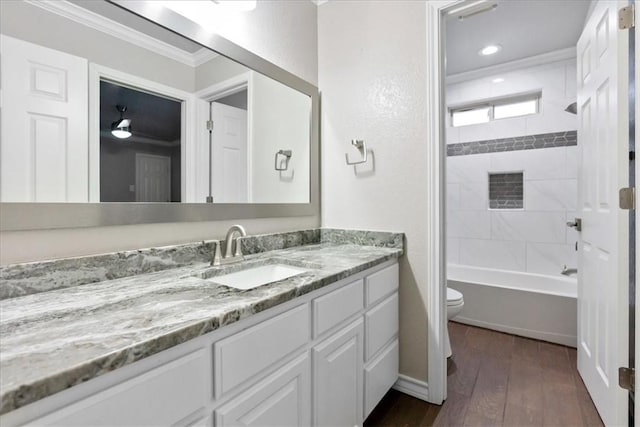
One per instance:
(53, 340)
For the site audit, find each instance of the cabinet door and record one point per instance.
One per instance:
(282, 399)
(161, 397)
(337, 369)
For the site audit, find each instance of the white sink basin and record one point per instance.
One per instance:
(258, 276)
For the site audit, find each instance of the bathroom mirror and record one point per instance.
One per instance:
(109, 118)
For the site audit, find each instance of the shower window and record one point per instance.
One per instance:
(503, 108)
(506, 190)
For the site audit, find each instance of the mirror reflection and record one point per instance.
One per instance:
(99, 105)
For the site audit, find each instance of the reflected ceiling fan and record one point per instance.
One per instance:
(121, 128)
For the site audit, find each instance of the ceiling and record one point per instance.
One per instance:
(153, 118)
(523, 28)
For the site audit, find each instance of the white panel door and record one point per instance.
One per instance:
(602, 271)
(230, 163)
(337, 378)
(44, 136)
(153, 178)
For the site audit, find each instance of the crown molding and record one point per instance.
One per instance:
(203, 55)
(545, 58)
(113, 28)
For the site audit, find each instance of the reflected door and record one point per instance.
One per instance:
(229, 152)
(153, 178)
(602, 271)
(43, 142)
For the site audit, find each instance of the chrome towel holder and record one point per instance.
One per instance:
(287, 155)
(362, 147)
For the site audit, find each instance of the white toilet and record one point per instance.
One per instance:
(455, 302)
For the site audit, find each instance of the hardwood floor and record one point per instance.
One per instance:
(497, 379)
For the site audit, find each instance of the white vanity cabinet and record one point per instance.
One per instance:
(323, 359)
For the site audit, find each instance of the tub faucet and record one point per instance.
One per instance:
(568, 271)
(230, 255)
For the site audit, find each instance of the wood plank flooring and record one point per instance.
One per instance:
(497, 379)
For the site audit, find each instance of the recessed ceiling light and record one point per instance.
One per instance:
(497, 80)
(490, 50)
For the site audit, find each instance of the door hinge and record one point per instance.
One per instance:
(627, 198)
(627, 17)
(209, 124)
(627, 378)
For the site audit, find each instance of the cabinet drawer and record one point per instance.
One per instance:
(282, 399)
(246, 354)
(381, 325)
(379, 375)
(332, 309)
(160, 397)
(381, 283)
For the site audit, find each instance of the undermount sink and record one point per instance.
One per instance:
(257, 276)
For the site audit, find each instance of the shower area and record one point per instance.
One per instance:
(512, 168)
(513, 165)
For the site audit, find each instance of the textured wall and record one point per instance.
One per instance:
(281, 31)
(372, 65)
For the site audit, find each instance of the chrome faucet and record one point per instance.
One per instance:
(230, 255)
(568, 271)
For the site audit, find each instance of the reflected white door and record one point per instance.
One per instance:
(230, 163)
(44, 136)
(602, 275)
(153, 178)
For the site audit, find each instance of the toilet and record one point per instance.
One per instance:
(455, 302)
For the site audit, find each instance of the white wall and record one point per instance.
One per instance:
(282, 32)
(35, 25)
(534, 239)
(278, 126)
(372, 67)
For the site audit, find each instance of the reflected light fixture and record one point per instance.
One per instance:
(121, 128)
(497, 80)
(490, 50)
(236, 5)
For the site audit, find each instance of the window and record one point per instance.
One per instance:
(472, 116)
(504, 108)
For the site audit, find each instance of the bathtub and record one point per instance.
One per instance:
(530, 305)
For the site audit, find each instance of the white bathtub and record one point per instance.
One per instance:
(525, 304)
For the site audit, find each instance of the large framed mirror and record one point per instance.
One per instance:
(127, 112)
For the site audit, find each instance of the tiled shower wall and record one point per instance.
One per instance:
(542, 147)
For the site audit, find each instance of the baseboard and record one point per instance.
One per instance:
(568, 340)
(412, 387)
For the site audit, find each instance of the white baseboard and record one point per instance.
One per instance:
(412, 387)
(568, 340)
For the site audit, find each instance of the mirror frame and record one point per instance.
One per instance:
(40, 216)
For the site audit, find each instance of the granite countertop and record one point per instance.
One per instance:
(53, 340)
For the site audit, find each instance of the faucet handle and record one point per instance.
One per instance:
(238, 251)
(217, 253)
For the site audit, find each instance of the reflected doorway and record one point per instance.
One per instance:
(140, 145)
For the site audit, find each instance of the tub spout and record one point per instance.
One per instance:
(568, 271)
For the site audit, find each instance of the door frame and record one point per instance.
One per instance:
(436, 163)
(220, 90)
(99, 72)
